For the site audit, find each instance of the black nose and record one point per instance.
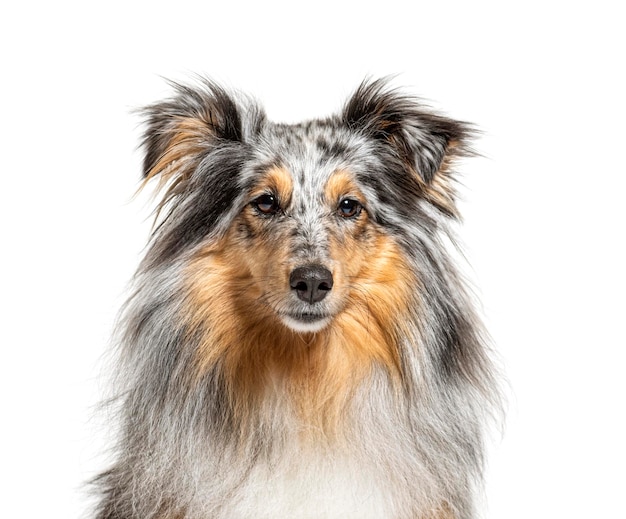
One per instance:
(311, 283)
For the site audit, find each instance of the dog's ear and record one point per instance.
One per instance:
(421, 139)
(180, 131)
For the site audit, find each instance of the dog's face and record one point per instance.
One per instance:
(313, 221)
(305, 230)
(301, 235)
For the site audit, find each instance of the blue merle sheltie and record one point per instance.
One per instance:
(298, 342)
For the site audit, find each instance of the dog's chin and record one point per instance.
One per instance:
(306, 323)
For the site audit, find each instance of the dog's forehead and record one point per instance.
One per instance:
(312, 152)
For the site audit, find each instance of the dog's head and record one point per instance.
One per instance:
(305, 223)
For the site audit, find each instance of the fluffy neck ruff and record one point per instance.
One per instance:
(268, 369)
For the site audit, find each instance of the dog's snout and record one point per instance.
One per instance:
(311, 283)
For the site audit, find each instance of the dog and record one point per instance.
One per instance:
(299, 342)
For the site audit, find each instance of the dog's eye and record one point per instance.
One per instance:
(349, 208)
(266, 204)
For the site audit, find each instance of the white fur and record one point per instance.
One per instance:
(305, 327)
(313, 487)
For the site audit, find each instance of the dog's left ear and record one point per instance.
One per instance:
(421, 139)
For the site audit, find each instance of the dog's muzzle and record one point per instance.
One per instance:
(311, 284)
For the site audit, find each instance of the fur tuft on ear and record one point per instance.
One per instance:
(420, 138)
(181, 130)
(194, 145)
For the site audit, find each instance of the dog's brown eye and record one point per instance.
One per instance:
(349, 208)
(266, 204)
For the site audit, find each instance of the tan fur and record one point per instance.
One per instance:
(276, 180)
(229, 282)
(341, 184)
(189, 140)
(441, 190)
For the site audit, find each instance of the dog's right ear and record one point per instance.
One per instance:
(182, 130)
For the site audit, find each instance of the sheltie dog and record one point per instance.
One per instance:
(298, 342)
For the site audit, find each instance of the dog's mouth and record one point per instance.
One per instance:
(306, 322)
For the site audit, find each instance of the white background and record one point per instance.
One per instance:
(544, 208)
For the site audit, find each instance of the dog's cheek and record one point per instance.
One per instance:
(261, 250)
(350, 244)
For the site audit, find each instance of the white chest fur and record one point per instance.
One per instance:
(303, 487)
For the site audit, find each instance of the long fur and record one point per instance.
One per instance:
(237, 397)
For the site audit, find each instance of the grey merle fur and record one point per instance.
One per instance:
(180, 452)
